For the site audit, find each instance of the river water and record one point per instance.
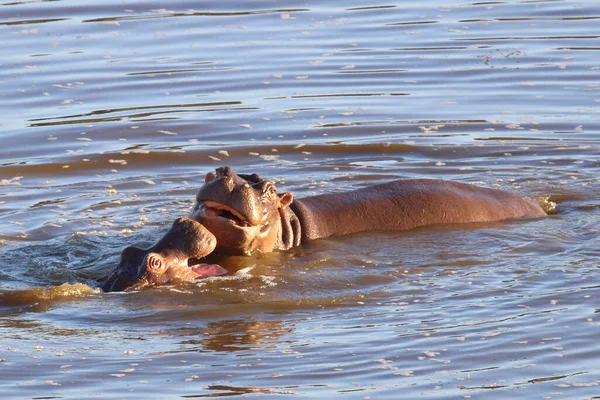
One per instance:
(113, 111)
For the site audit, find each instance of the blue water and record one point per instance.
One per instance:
(112, 112)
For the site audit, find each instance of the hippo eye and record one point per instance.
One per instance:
(269, 193)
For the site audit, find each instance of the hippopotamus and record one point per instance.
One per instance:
(241, 214)
(246, 214)
(174, 257)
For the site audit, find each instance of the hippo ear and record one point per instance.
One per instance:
(155, 263)
(285, 199)
(209, 177)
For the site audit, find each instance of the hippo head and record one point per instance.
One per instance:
(242, 211)
(173, 257)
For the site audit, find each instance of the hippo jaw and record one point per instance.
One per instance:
(216, 209)
(157, 270)
(242, 211)
(173, 258)
(150, 274)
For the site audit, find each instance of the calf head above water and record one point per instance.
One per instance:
(242, 211)
(171, 258)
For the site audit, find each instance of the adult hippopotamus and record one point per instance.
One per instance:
(174, 257)
(246, 214)
(240, 214)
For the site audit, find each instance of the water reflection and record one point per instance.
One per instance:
(234, 335)
(225, 391)
(162, 13)
(172, 108)
(30, 21)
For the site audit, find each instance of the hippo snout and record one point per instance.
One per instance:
(166, 260)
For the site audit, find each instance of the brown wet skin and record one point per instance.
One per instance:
(240, 214)
(246, 214)
(171, 258)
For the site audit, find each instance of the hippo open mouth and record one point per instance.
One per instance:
(203, 270)
(242, 211)
(216, 209)
(243, 200)
(177, 256)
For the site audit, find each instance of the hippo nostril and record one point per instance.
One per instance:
(229, 183)
(224, 172)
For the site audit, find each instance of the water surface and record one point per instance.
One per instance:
(112, 112)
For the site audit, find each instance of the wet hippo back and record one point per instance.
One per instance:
(406, 204)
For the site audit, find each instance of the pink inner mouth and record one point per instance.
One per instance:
(208, 270)
(215, 209)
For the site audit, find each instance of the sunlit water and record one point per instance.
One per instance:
(113, 111)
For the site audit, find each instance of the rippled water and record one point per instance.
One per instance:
(113, 111)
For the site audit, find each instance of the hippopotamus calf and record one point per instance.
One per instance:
(246, 214)
(171, 258)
